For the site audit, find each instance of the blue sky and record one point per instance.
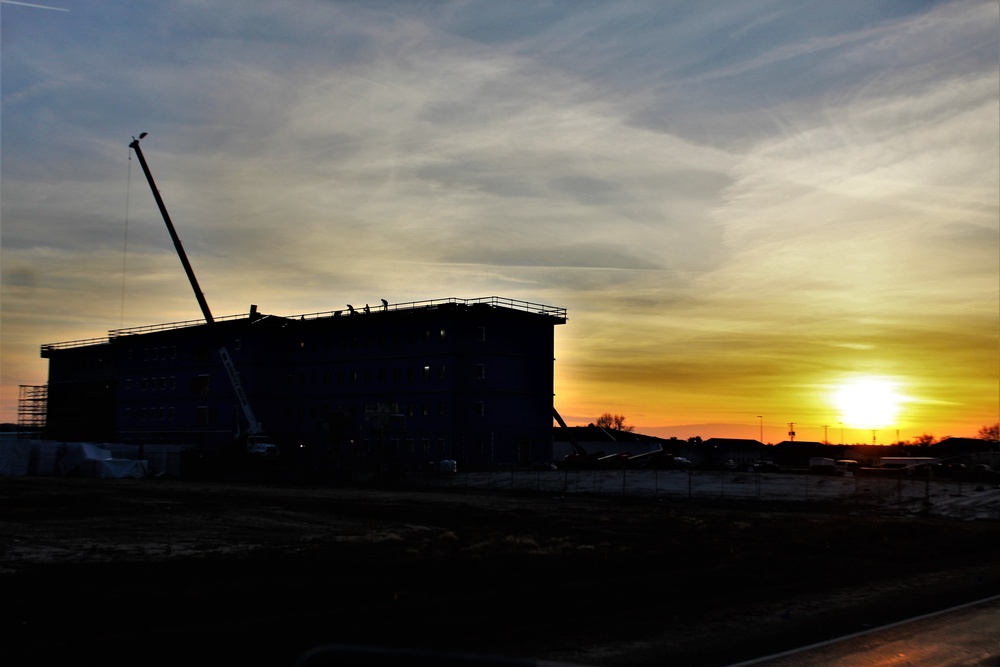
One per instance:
(743, 204)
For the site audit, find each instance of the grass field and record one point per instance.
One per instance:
(161, 572)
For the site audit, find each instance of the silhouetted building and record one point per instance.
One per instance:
(739, 451)
(463, 379)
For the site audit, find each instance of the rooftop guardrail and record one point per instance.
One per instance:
(491, 301)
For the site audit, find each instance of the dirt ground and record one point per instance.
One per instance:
(158, 572)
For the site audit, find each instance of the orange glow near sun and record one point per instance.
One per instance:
(868, 402)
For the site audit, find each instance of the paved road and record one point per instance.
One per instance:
(965, 636)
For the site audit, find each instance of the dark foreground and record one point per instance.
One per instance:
(155, 572)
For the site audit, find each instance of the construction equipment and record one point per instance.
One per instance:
(580, 458)
(173, 233)
(255, 441)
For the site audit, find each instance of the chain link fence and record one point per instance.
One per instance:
(918, 492)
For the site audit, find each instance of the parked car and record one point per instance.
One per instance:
(765, 466)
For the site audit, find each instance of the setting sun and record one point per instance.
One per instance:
(868, 402)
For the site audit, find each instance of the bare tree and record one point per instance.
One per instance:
(614, 422)
(924, 440)
(991, 433)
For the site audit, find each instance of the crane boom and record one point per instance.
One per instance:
(173, 233)
(256, 442)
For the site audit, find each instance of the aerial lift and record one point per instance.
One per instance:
(256, 442)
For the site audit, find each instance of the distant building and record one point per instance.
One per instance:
(737, 450)
(403, 384)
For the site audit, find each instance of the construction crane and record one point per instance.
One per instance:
(256, 442)
(173, 232)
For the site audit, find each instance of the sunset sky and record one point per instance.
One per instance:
(756, 212)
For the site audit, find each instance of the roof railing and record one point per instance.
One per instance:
(491, 301)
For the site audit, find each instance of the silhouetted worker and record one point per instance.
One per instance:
(350, 308)
(368, 309)
(385, 305)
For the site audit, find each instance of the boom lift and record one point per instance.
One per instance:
(256, 442)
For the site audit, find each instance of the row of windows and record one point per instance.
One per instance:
(383, 340)
(154, 383)
(381, 374)
(204, 415)
(151, 414)
(168, 352)
(411, 410)
(199, 384)
(156, 353)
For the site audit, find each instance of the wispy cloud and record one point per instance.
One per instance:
(739, 203)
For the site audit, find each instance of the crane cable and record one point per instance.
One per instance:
(128, 188)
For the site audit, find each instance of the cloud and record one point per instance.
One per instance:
(738, 202)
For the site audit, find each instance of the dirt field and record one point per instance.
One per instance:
(157, 572)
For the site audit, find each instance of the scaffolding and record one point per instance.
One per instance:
(32, 408)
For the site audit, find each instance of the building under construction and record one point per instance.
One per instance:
(469, 380)
(466, 380)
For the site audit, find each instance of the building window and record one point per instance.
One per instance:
(480, 371)
(199, 385)
(442, 372)
(480, 409)
(202, 415)
(442, 334)
(442, 409)
(427, 372)
(480, 334)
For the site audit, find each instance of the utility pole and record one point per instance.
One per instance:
(791, 430)
(826, 440)
(761, 428)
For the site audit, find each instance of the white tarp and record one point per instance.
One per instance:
(77, 455)
(15, 457)
(120, 469)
